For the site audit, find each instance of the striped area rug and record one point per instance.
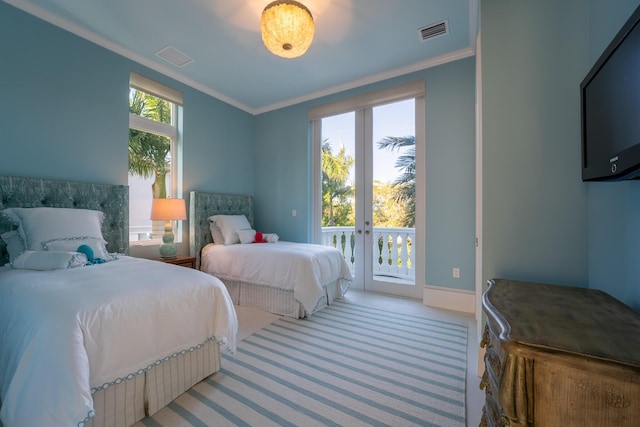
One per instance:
(346, 365)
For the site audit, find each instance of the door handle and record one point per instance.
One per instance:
(366, 223)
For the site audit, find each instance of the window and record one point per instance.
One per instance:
(155, 112)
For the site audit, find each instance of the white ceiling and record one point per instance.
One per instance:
(356, 42)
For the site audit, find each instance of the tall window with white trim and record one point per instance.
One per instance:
(154, 154)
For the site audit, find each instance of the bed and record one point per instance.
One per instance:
(308, 277)
(99, 342)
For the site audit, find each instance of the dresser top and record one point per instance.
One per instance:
(566, 319)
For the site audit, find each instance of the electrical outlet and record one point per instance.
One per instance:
(293, 212)
(456, 273)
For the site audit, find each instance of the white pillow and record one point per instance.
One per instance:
(38, 225)
(228, 224)
(14, 244)
(270, 237)
(71, 244)
(246, 236)
(43, 260)
(216, 235)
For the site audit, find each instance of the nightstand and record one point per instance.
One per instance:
(184, 261)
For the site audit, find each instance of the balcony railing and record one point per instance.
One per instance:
(393, 254)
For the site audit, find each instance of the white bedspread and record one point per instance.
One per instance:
(65, 332)
(301, 267)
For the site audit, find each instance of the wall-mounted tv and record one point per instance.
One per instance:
(610, 107)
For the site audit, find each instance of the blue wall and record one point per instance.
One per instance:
(283, 182)
(64, 109)
(450, 174)
(613, 207)
(64, 114)
(534, 202)
(541, 222)
(283, 178)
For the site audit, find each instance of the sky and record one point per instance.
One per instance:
(396, 119)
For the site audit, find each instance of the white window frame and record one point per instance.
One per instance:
(171, 131)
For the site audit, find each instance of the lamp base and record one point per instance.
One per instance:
(168, 249)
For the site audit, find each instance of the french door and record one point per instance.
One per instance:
(367, 193)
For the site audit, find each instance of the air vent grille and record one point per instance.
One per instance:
(434, 30)
(173, 55)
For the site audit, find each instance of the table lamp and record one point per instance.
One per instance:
(168, 210)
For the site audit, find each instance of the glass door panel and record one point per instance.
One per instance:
(393, 199)
(339, 189)
(368, 195)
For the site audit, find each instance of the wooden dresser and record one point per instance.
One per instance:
(559, 356)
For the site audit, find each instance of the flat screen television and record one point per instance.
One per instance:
(610, 109)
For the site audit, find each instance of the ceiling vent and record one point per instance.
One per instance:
(434, 30)
(173, 55)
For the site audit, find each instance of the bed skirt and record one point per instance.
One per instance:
(277, 301)
(126, 403)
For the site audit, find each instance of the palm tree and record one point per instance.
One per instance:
(335, 172)
(405, 184)
(149, 154)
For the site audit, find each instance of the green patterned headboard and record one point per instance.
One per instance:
(113, 200)
(202, 206)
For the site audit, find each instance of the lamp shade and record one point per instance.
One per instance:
(287, 28)
(168, 209)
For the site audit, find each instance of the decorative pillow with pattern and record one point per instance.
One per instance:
(71, 244)
(49, 260)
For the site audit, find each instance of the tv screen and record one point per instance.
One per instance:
(610, 96)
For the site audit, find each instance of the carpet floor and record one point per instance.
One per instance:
(347, 365)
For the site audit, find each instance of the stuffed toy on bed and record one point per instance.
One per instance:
(86, 249)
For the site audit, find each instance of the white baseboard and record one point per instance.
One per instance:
(449, 299)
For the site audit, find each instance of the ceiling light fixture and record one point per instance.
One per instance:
(287, 28)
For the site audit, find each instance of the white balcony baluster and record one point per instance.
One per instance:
(394, 257)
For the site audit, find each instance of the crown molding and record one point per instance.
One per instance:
(418, 66)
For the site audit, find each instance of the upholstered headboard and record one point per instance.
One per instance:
(202, 206)
(113, 200)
